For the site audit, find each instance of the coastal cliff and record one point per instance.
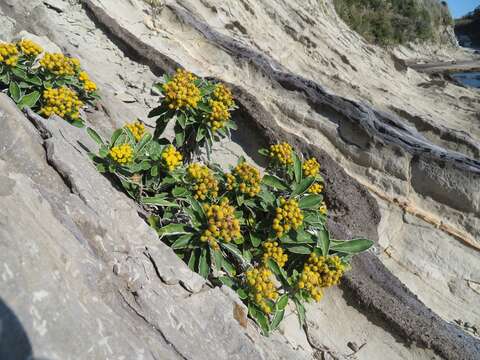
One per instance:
(469, 27)
(85, 275)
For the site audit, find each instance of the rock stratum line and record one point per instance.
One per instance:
(387, 128)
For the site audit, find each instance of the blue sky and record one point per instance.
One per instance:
(461, 7)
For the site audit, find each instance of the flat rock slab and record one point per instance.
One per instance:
(83, 276)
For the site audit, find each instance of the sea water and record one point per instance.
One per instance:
(471, 79)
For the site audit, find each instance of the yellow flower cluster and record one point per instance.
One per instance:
(222, 224)
(323, 208)
(288, 216)
(319, 272)
(171, 157)
(205, 182)
(219, 115)
(88, 85)
(315, 188)
(63, 102)
(271, 250)
(8, 54)
(224, 95)
(60, 64)
(181, 91)
(30, 48)
(122, 154)
(137, 129)
(246, 177)
(261, 285)
(311, 167)
(282, 153)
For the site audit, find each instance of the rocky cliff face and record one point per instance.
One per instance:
(468, 29)
(87, 278)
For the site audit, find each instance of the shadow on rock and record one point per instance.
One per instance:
(14, 342)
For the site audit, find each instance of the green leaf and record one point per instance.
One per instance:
(29, 100)
(33, 79)
(217, 255)
(233, 249)
(103, 152)
(94, 135)
(303, 186)
(274, 182)
(203, 268)
(179, 191)
(101, 168)
(77, 123)
(116, 134)
(192, 260)
(264, 152)
(299, 249)
(131, 138)
(351, 246)
(146, 138)
(297, 167)
(231, 125)
(182, 241)
(300, 311)
(313, 218)
(161, 125)
(273, 265)
(310, 201)
(240, 199)
(173, 229)
(229, 268)
(5, 78)
(15, 91)
(201, 132)
(255, 239)
(158, 200)
(242, 294)
(179, 138)
(156, 112)
(197, 208)
(157, 88)
(278, 271)
(260, 318)
(247, 255)
(282, 302)
(277, 319)
(227, 281)
(267, 196)
(154, 171)
(24, 85)
(324, 241)
(182, 120)
(301, 237)
(20, 73)
(204, 107)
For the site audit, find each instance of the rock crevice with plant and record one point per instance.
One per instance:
(265, 236)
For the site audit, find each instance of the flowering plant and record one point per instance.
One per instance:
(264, 235)
(46, 82)
(200, 109)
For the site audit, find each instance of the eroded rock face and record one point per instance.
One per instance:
(85, 275)
(293, 68)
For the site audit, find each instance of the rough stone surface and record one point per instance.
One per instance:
(75, 251)
(423, 187)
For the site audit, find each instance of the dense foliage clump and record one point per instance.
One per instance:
(388, 22)
(49, 83)
(263, 234)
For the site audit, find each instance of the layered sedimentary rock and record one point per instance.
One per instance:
(401, 159)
